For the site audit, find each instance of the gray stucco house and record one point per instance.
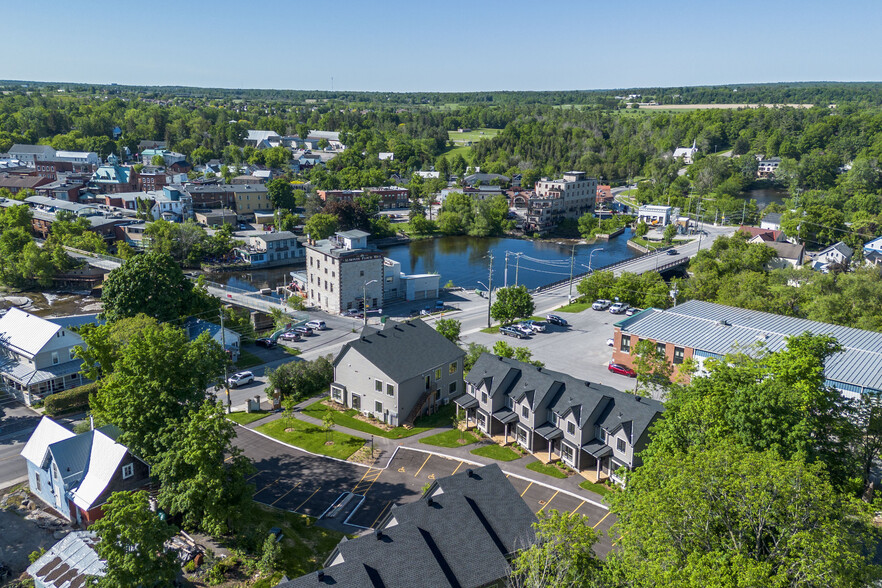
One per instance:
(588, 426)
(398, 372)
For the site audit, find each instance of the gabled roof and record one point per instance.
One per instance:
(841, 247)
(786, 250)
(772, 218)
(46, 433)
(403, 350)
(69, 562)
(26, 333)
(105, 456)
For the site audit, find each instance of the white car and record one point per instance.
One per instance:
(601, 304)
(523, 328)
(317, 325)
(290, 336)
(618, 308)
(537, 326)
(240, 379)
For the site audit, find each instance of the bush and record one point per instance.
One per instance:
(70, 400)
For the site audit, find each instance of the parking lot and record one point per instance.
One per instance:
(314, 486)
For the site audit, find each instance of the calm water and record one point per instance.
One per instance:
(465, 261)
(765, 196)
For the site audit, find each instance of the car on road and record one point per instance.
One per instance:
(624, 370)
(633, 310)
(619, 308)
(537, 326)
(317, 325)
(601, 304)
(513, 332)
(291, 336)
(265, 342)
(672, 252)
(305, 331)
(556, 320)
(240, 379)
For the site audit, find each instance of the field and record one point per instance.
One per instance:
(473, 136)
(466, 153)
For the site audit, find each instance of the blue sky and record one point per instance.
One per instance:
(451, 45)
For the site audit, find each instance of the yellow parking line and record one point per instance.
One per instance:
(381, 513)
(307, 500)
(459, 466)
(525, 489)
(549, 501)
(601, 520)
(422, 466)
(268, 485)
(285, 494)
(578, 507)
(619, 539)
(362, 478)
(254, 476)
(372, 483)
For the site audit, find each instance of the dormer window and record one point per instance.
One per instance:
(128, 471)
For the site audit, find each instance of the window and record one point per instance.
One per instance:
(601, 434)
(37, 480)
(438, 374)
(337, 394)
(678, 355)
(54, 357)
(525, 412)
(620, 445)
(451, 389)
(508, 402)
(71, 353)
(378, 406)
(567, 452)
(553, 419)
(452, 368)
(361, 273)
(626, 343)
(390, 390)
(128, 471)
(484, 397)
(378, 385)
(571, 428)
(660, 348)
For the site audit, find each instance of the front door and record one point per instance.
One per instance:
(356, 402)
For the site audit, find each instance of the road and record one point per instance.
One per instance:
(17, 422)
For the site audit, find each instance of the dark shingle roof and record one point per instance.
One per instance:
(403, 350)
(461, 533)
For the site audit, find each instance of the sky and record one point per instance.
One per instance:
(453, 45)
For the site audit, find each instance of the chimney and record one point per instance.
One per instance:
(430, 502)
(378, 534)
(470, 472)
(320, 575)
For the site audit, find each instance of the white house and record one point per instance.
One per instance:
(686, 153)
(834, 254)
(654, 215)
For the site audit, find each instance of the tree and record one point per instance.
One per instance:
(302, 379)
(473, 352)
(512, 303)
(152, 284)
(157, 160)
(328, 425)
(321, 226)
(642, 229)
(652, 367)
(741, 518)
(561, 555)
(289, 407)
(587, 225)
(450, 328)
(503, 349)
(281, 194)
(158, 378)
(132, 543)
(669, 233)
(104, 343)
(270, 553)
(597, 285)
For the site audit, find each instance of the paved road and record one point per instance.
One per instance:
(16, 424)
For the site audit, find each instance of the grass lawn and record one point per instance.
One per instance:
(497, 452)
(575, 307)
(311, 438)
(449, 439)
(474, 135)
(244, 418)
(441, 418)
(647, 244)
(347, 419)
(291, 350)
(247, 360)
(491, 330)
(466, 153)
(601, 489)
(548, 470)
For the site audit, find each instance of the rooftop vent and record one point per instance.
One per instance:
(430, 502)
(723, 323)
(378, 534)
(320, 575)
(470, 472)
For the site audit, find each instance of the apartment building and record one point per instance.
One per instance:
(555, 200)
(343, 273)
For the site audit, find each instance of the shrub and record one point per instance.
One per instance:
(70, 400)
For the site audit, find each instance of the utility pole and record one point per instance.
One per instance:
(743, 212)
(490, 290)
(505, 273)
(224, 343)
(572, 261)
(517, 266)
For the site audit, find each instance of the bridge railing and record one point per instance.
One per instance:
(604, 268)
(110, 258)
(250, 295)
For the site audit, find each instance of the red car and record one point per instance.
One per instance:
(624, 370)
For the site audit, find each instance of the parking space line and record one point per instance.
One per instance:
(307, 500)
(549, 501)
(580, 506)
(254, 476)
(422, 466)
(285, 494)
(379, 516)
(457, 467)
(268, 485)
(525, 489)
(601, 520)
(367, 471)
(372, 482)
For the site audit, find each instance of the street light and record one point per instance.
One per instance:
(364, 301)
(593, 251)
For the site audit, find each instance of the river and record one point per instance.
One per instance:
(465, 261)
(765, 196)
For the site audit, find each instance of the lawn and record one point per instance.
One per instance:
(548, 470)
(450, 439)
(466, 153)
(347, 419)
(492, 330)
(497, 452)
(474, 135)
(247, 360)
(601, 489)
(441, 418)
(245, 418)
(311, 438)
(575, 307)
(647, 244)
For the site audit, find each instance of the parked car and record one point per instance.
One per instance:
(633, 310)
(556, 320)
(240, 379)
(317, 325)
(672, 252)
(537, 326)
(291, 336)
(601, 304)
(618, 308)
(513, 332)
(439, 305)
(265, 342)
(352, 312)
(624, 370)
(524, 328)
(305, 331)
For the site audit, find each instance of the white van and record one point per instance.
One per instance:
(317, 325)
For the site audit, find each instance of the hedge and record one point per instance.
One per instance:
(70, 400)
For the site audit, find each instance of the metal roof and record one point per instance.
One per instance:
(69, 562)
(719, 329)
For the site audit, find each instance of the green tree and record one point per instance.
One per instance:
(321, 226)
(270, 553)
(597, 285)
(281, 194)
(152, 284)
(157, 160)
(202, 475)
(669, 233)
(652, 367)
(132, 543)
(104, 343)
(587, 225)
(450, 328)
(302, 379)
(512, 303)
(328, 425)
(473, 352)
